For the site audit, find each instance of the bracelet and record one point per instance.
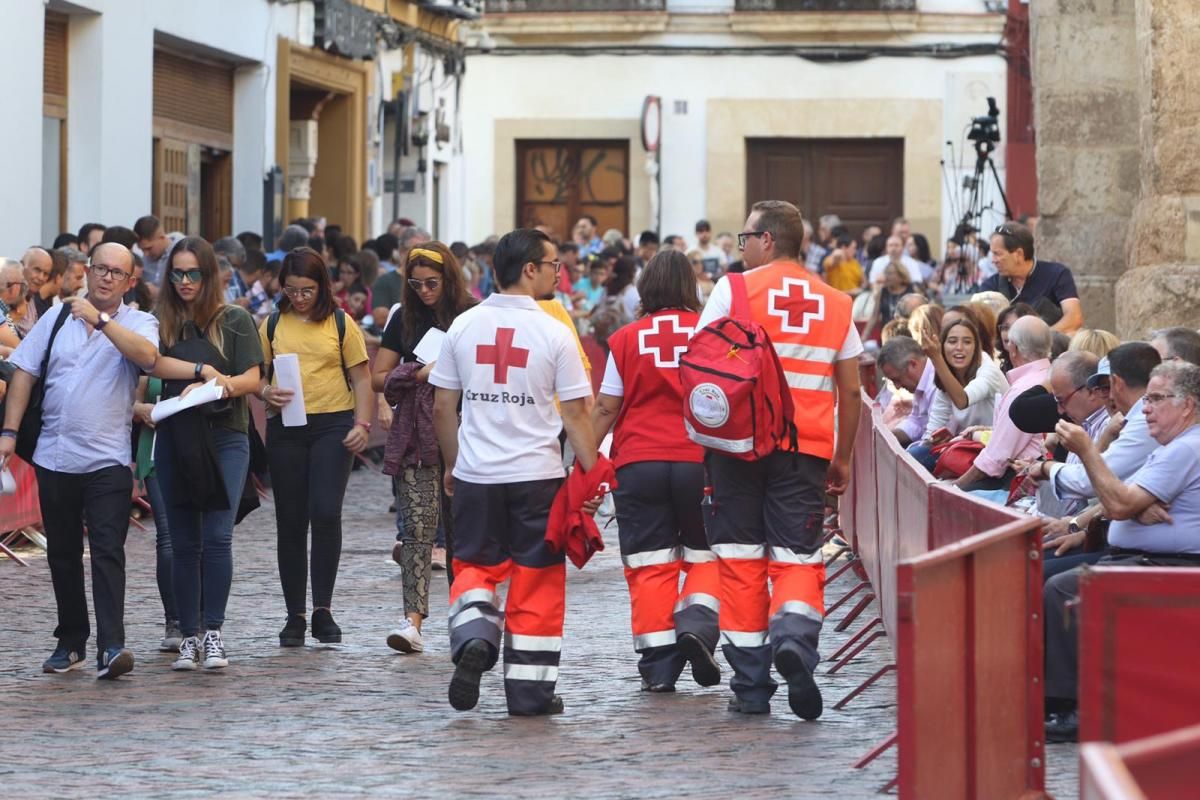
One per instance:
(263, 394)
(9, 432)
(366, 425)
(199, 369)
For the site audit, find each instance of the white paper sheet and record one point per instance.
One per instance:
(204, 394)
(287, 376)
(8, 484)
(430, 346)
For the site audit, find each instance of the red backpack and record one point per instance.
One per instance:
(736, 398)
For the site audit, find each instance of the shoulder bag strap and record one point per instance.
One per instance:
(272, 324)
(339, 318)
(58, 323)
(739, 307)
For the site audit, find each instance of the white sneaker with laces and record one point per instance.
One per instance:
(189, 654)
(214, 651)
(405, 638)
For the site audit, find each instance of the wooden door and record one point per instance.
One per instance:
(860, 180)
(216, 195)
(171, 176)
(560, 181)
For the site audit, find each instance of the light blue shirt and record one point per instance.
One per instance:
(1124, 457)
(87, 414)
(1171, 474)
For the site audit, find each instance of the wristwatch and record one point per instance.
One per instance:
(104, 320)
(1073, 526)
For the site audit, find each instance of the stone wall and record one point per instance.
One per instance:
(1086, 108)
(1117, 105)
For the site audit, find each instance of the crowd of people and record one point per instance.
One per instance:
(1098, 437)
(494, 434)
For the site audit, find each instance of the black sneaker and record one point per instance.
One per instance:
(64, 659)
(292, 634)
(324, 629)
(742, 705)
(114, 662)
(705, 670)
(804, 696)
(474, 660)
(555, 707)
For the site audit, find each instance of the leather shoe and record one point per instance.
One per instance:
(657, 688)
(742, 705)
(1062, 726)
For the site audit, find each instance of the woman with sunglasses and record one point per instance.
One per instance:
(310, 464)
(434, 295)
(201, 337)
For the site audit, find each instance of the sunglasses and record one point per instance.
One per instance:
(429, 284)
(192, 275)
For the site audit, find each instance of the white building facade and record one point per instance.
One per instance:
(224, 115)
(845, 112)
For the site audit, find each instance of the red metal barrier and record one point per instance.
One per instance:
(954, 515)
(22, 509)
(969, 664)
(1139, 646)
(1161, 767)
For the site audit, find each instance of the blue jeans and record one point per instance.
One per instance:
(162, 547)
(202, 541)
(923, 453)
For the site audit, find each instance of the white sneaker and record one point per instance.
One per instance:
(189, 654)
(406, 638)
(214, 651)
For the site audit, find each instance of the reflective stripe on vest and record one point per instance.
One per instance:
(813, 383)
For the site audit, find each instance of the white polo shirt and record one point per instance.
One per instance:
(509, 359)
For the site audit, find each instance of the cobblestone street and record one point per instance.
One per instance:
(358, 718)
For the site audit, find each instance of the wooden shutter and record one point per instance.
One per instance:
(54, 66)
(193, 99)
(559, 181)
(171, 175)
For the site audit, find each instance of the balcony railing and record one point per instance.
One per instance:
(522, 6)
(825, 5)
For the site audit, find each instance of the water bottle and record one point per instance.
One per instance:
(706, 504)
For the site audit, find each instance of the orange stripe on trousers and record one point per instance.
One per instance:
(804, 582)
(653, 591)
(468, 576)
(744, 595)
(536, 601)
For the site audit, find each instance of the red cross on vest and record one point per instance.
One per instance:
(665, 339)
(795, 309)
(502, 354)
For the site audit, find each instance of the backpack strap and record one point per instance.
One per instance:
(739, 307)
(339, 319)
(61, 320)
(272, 324)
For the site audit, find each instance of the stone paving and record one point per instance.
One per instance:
(359, 719)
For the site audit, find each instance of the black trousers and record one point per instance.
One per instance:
(103, 497)
(309, 470)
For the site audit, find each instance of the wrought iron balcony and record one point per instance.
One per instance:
(523, 6)
(825, 5)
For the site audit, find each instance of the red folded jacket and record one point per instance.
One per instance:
(570, 530)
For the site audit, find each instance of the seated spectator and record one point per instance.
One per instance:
(993, 300)
(897, 327)
(1029, 349)
(959, 276)
(1004, 321)
(1021, 279)
(1125, 442)
(894, 253)
(926, 319)
(903, 363)
(896, 284)
(968, 382)
(1156, 522)
(704, 281)
(1093, 340)
(909, 303)
(1181, 344)
(985, 318)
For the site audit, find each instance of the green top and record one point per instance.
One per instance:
(242, 350)
(388, 290)
(144, 463)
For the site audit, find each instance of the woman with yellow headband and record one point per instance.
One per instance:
(435, 293)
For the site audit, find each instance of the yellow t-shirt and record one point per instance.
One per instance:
(847, 276)
(316, 345)
(559, 312)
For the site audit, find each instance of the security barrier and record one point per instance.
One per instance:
(958, 582)
(1159, 767)
(1139, 644)
(20, 510)
(969, 668)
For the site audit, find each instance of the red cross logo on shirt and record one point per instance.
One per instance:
(502, 354)
(795, 309)
(665, 339)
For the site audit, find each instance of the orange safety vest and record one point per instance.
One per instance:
(807, 321)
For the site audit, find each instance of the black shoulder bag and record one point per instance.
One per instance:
(31, 424)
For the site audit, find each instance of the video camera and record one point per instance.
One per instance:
(985, 130)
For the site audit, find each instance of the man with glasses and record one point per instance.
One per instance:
(97, 348)
(1156, 522)
(14, 297)
(1046, 285)
(504, 361)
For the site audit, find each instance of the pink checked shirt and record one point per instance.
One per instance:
(1008, 441)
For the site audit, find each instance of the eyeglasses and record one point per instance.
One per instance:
(102, 271)
(11, 284)
(429, 284)
(745, 237)
(192, 275)
(307, 293)
(556, 264)
(1156, 398)
(1062, 401)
